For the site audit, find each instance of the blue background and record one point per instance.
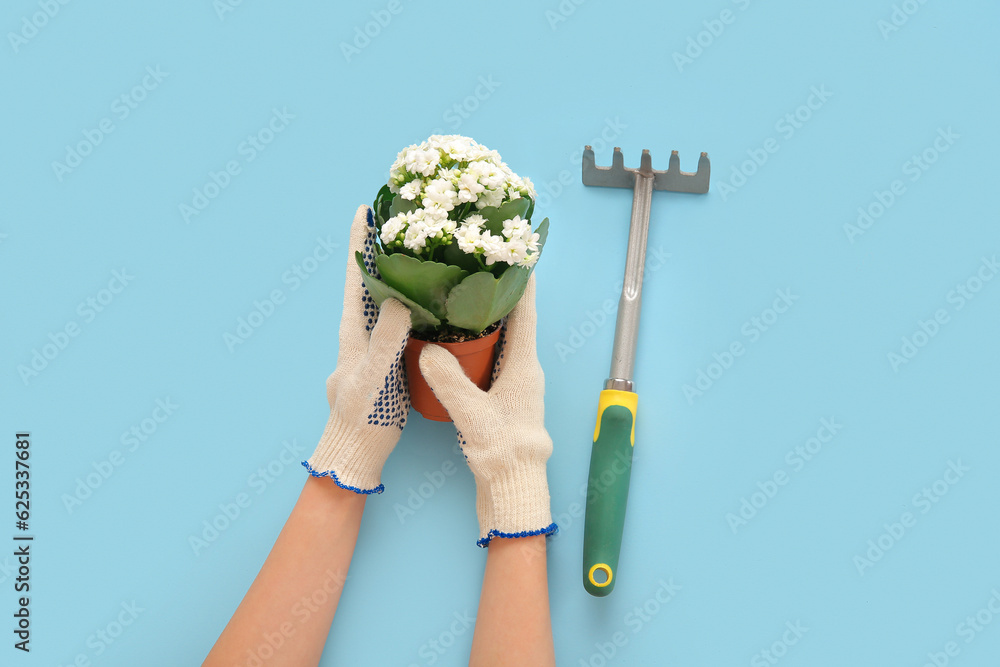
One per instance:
(560, 76)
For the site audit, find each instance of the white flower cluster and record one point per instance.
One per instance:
(518, 244)
(445, 173)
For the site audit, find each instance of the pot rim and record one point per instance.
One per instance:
(465, 346)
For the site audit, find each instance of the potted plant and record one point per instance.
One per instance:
(456, 246)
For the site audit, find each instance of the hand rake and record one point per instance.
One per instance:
(614, 435)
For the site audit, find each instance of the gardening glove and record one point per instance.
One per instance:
(369, 399)
(502, 431)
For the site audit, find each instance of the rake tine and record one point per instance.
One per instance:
(675, 163)
(618, 160)
(646, 162)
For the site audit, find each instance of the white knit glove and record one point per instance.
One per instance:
(502, 431)
(368, 395)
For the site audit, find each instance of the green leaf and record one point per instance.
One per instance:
(543, 233)
(400, 205)
(492, 216)
(517, 206)
(381, 206)
(482, 298)
(452, 254)
(495, 216)
(462, 211)
(425, 282)
(420, 317)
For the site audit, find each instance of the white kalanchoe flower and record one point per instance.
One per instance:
(434, 214)
(494, 248)
(530, 239)
(423, 162)
(469, 234)
(444, 177)
(488, 174)
(514, 228)
(529, 261)
(411, 190)
(437, 224)
(469, 188)
(393, 227)
(456, 147)
(474, 220)
(515, 250)
(451, 176)
(415, 236)
(489, 198)
(529, 188)
(440, 193)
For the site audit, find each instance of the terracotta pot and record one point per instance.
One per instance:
(475, 356)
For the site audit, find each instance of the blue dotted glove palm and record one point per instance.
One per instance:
(367, 392)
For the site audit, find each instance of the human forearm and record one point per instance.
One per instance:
(513, 625)
(295, 595)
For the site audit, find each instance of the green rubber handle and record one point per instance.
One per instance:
(607, 490)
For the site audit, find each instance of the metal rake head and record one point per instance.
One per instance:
(620, 176)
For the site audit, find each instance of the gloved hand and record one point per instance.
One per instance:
(502, 431)
(368, 395)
